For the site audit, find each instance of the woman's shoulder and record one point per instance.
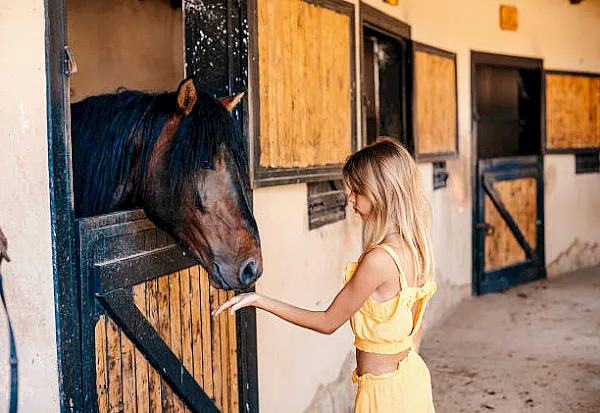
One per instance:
(379, 260)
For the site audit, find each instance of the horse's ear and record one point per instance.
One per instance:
(231, 101)
(187, 96)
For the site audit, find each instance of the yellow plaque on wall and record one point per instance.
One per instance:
(509, 18)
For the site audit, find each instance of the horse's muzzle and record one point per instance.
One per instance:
(249, 273)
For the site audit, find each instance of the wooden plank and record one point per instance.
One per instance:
(519, 197)
(175, 398)
(128, 374)
(141, 364)
(178, 405)
(216, 349)
(198, 351)
(435, 80)
(224, 339)
(186, 323)
(595, 116)
(154, 387)
(175, 312)
(233, 365)
(115, 385)
(305, 109)
(264, 95)
(207, 355)
(572, 111)
(101, 371)
(164, 321)
(285, 108)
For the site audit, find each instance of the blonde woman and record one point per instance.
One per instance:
(386, 291)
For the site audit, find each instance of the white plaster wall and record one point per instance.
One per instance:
(25, 209)
(292, 362)
(572, 215)
(304, 268)
(125, 43)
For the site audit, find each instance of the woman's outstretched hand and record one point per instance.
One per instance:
(237, 302)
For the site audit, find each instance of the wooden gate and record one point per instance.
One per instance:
(149, 343)
(508, 223)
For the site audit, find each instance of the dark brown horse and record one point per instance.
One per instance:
(182, 158)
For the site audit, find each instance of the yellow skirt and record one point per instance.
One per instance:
(406, 390)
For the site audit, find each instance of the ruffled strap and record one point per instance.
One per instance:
(422, 296)
(427, 290)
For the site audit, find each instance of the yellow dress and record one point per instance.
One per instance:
(388, 328)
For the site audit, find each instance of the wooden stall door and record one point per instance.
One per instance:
(508, 230)
(508, 223)
(149, 341)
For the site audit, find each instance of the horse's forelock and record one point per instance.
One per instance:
(197, 139)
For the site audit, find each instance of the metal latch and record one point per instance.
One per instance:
(70, 64)
(487, 228)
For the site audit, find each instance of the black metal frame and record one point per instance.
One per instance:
(440, 175)
(326, 202)
(438, 156)
(587, 162)
(545, 148)
(64, 257)
(261, 176)
(376, 20)
(507, 164)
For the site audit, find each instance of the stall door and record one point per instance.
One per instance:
(149, 341)
(508, 184)
(508, 223)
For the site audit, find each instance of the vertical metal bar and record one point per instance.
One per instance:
(64, 259)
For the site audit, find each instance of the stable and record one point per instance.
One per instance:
(500, 106)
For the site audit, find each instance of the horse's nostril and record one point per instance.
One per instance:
(248, 273)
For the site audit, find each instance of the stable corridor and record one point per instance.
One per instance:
(533, 348)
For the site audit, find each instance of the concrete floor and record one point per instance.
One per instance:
(534, 348)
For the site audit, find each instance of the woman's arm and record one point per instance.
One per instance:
(370, 274)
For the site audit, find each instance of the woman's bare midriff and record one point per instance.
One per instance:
(378, 364)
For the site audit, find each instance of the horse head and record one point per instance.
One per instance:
(197, 188)
(181, 157)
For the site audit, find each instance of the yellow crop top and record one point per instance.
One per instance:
(388, 327)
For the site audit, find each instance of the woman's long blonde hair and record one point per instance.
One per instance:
(387, 175)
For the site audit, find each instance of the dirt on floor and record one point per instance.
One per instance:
(534, 348)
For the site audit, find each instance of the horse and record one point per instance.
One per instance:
(182, 158)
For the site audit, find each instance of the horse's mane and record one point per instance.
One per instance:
(106, 130)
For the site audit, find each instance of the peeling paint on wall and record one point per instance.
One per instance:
(337, 396)
(580, 254)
